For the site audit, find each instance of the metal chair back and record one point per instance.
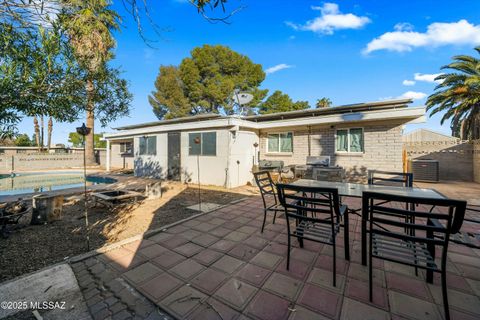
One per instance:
(390, 178)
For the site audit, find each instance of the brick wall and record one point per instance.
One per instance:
(382, 141)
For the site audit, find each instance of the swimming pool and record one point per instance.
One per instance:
(22, 183)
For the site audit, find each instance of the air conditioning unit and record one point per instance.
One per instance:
(425, 170)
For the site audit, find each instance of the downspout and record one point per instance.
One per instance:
(309, 140)
(227, 169)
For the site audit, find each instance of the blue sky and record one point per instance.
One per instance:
(349, 51)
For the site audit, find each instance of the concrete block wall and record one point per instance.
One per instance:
(382, 145)
(476, 161)
(456, 158)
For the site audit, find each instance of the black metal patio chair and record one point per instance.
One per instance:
(469, 238)
(389, 241)
(323, 224)
(269, 195)
(390, 178)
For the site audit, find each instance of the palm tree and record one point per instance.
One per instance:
(89, 25)
(323, 103)
(458, 95)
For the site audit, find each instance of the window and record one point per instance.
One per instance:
(207, 145)
(126, 147)
(148, 145)
(349, 140)
(280, 142)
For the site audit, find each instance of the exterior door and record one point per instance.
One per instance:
(174, 165)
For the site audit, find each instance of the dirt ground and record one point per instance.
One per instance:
(32, 247)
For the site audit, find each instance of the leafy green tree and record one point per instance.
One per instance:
(205, 82)
(281, 102)
(458, 95)
(23, 140)
(323, 103)
(77, 140)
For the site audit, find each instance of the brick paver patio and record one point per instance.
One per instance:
(220, 266)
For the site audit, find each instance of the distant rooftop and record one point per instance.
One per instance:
(349, 108)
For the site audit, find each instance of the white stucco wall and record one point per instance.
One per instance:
(212, 168)
(151, 165)
(243, 151)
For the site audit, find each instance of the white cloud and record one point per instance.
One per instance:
(278, 67)
(414, 95)
(331, 19)
(408, 82)
(437, 34)
(427, 77)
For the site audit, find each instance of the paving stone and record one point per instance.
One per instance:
(475, 285)
(358, 290)
(301, 313)
(408, 285)
(457, 299)
(101, 314)
(187, 269)
(128, 262)
(243, 252)
(283, 286)
(220, 232)
(235, 293)
(227, 264)
(326, 262)
(205, 240)
(191, 223)
(248, 229)
(236, 236)
(320, 300)
(204, 227)
(207, 257)
(360, 272)
(118, 307)
(223, 245)
(297, 269)
(142, 273)
(412, 308)
(152, 251)
(213, 309)
(267, 306)
(266, 259)
(256, 242)
(276, 248)
(134, 246)
(302, 255)
(473, 261)
(174, 242)
(182, 301)
(324, 279)
(114, 254)
(190, 234)
(209, 280)
(168, 259)
(122, 315)
(232, 225)
(159, 286)
(253, 274)
(353, 309)
(189, 249)
(217, 221)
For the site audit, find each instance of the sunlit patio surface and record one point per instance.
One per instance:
(220, 266)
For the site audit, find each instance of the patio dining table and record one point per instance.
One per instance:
(355, 190)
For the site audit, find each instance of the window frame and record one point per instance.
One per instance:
(147, 151)
(125, 152)
(348, 141)
(279, 143)
(201, 133)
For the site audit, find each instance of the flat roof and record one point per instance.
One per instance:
(356, 107)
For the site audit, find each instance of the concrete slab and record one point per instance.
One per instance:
(56, 285)
(204, 206)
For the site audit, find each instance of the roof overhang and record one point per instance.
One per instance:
(406, 114)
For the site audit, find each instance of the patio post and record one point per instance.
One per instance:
(107, 158)
(84, 131)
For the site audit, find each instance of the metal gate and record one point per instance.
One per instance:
(174, 164)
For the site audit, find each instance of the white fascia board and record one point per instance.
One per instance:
(404, 113)
(198, 125)
(411, 114)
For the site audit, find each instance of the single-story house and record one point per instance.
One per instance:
(222, 150)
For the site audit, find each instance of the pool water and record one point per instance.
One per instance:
(22, 183)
